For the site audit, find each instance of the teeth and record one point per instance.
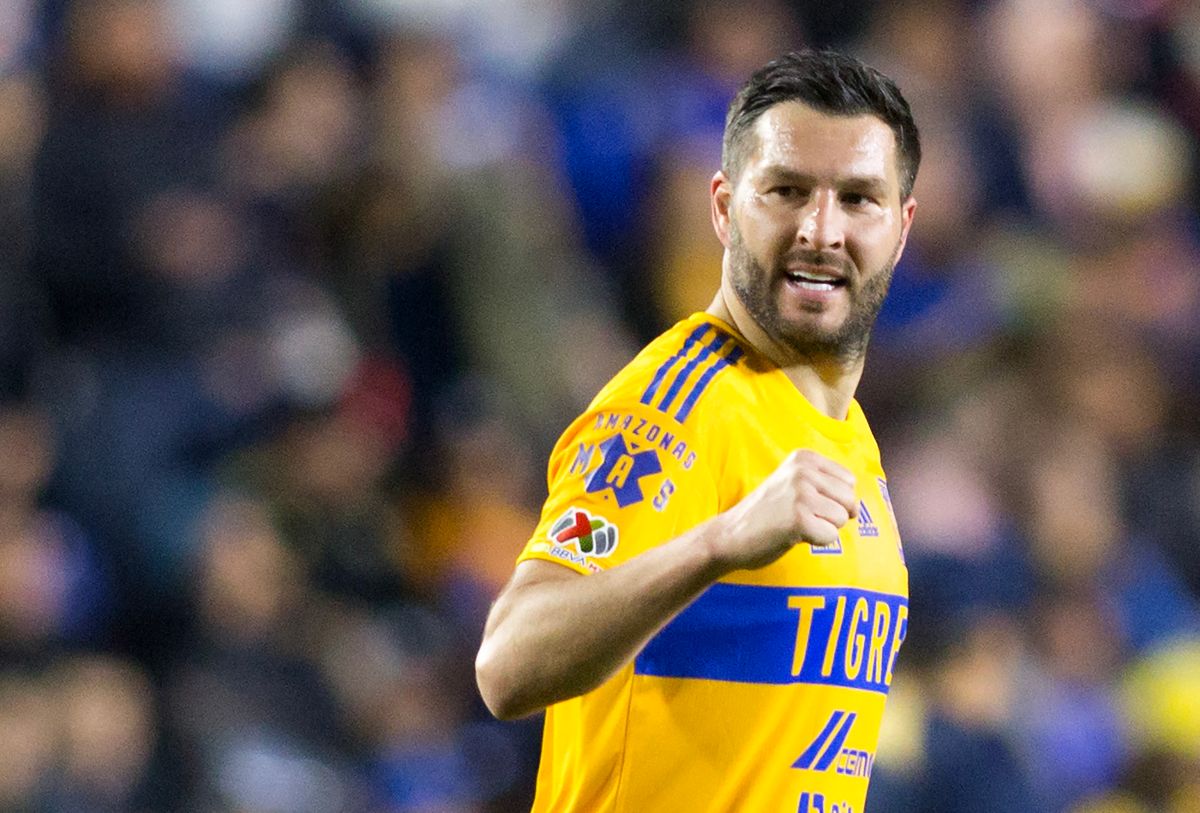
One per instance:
(806, 276)
(814, 282)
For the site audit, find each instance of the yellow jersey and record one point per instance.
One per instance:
(765, 694)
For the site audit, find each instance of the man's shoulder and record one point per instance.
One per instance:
(674, 372)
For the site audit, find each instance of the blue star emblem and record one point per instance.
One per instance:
(621, 471)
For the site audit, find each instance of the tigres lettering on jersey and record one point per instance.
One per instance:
(765, 694)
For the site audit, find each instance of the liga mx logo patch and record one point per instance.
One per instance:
(591, 533)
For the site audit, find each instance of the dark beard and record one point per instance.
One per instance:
(846, 344)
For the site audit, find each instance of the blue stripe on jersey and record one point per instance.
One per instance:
(716, 344)
(835, 745)
(809, 756)
(685, 408)
(780, 635)
(688, 343)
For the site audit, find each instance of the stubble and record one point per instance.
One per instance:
(757, 289)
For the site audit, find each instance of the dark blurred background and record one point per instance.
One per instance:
(295, 296)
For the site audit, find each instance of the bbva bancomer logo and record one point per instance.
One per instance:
(591, 533)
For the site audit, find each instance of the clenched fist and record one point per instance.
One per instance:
(808, 498)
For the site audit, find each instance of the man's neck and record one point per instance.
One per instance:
(828, 384)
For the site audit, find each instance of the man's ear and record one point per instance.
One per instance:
(720, 196)
(908, 208)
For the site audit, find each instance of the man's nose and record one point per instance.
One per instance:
(822, 222)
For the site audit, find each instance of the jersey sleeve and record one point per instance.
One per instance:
(623, 478)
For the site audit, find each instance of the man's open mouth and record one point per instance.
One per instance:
(815, 280)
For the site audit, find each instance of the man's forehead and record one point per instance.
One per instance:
(794, 134)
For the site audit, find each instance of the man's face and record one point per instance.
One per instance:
(813, 226)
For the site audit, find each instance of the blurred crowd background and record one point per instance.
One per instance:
(295, 296)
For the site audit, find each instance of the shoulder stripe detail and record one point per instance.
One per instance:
(688, 344)
(728, 360)
(716, 344)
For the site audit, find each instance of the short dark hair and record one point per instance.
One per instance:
(829, 82)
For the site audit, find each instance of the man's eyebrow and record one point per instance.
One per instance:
(855, 183)
(864, 183)
(781, 172)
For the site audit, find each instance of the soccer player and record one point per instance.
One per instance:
(711, 606)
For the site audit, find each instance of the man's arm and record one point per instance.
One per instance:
(553, 635)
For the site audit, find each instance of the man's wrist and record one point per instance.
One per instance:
(715, 536)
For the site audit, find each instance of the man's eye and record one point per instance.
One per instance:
(856, 199)
(785, 191)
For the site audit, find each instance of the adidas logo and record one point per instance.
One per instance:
(866, 525)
